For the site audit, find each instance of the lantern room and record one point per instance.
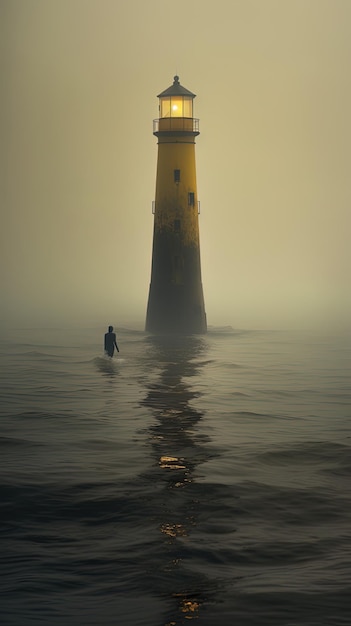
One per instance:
(176, 101)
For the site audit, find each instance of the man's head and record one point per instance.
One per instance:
(110, 329)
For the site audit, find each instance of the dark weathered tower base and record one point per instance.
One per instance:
(175, 308)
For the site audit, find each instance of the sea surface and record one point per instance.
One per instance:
(188, 478)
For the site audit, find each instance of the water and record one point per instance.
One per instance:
(203, 478)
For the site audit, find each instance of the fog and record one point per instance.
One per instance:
(80, 80)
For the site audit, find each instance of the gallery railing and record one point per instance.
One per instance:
(176, 124)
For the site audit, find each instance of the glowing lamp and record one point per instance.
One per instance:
(176, 101)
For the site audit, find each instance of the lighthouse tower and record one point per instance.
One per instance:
(176, 302)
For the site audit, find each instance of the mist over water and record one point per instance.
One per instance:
(188, 478)
(79, 157)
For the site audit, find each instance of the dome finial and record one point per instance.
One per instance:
(176, 80)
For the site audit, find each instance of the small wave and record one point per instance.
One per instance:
(309, 451)
(105, 365)
(324, 457)
(228, 330)
(232, 366)
(43, 415)
(13, 441)
(208, 362)
(277, 393)
(225, 330)
(40, 355)
(253, 414)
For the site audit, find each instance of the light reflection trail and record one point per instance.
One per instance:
(177, 453)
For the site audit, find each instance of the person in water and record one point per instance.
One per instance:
(110, 342)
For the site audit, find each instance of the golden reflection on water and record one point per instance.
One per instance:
(174, 530)
(171, 462)
(177, 453)
(189, 607)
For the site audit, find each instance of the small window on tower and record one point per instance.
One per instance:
(177, 226)
(177, 176)
(191, 198)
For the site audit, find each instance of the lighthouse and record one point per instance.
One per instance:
(176, 302)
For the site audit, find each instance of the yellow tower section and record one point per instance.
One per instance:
(176, 302)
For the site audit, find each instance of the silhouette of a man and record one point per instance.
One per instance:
(110, 342)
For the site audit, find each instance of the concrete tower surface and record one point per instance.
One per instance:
(176, 302)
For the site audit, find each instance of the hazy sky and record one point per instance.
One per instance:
(79, 85)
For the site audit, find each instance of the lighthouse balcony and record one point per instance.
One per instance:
(176, 124)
